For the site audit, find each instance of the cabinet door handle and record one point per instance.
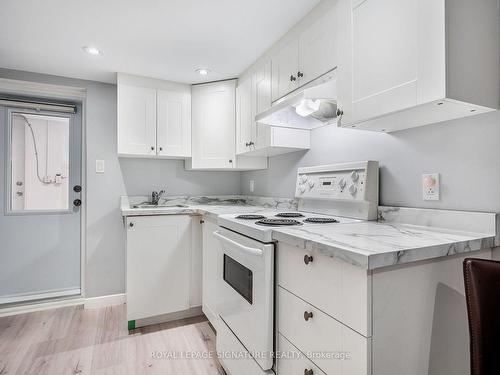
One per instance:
(161, 148)
(230, 160)
(131, 224)
(308, 315)
(247, 144)
(293, 78)
(308, 371)
(339, 112)
(300, 74)
(202, 221)
(152, 148)
(308, 259)
(251, 143)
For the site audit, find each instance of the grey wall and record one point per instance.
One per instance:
(466, 152)
(105, 267)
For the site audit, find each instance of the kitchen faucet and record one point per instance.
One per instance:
(155, 196)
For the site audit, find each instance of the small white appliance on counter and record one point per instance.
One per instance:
(327, 195)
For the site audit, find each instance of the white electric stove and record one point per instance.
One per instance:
(327, 195)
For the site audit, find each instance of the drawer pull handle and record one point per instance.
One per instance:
(308, 259)
(308, 371)
(308, 315)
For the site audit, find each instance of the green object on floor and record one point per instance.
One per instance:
(131, 324)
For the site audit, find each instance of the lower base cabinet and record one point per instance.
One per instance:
(212, 257)
(163, 257)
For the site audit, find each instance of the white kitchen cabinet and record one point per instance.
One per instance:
(257, 140)
(160, 263)
(136, 120)
(305, 58)
(318, 48)
(173, 124)
(154, 118)
(406, 63)
(214, 129)
(285, 65)
(212, 257)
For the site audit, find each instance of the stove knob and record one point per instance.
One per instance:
(302, 189)
(354, 176)
(303, 178)
(353, 189)
(342, 183)
(311, 184)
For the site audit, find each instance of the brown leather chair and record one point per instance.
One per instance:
(482, 293)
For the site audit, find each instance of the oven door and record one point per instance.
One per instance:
(246, 299)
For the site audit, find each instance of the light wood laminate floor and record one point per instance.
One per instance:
(73, 340)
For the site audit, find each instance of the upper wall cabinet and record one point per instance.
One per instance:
(154, 118)
(306, 57)
(213, 129)
(405, 63)
(253, 95)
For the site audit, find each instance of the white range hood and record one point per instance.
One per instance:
(309, 107)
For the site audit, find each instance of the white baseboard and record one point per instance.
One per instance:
(39, 306)
(104, 301)
(45, 295)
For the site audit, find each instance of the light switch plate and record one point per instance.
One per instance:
(252, 186)
(99, 166)
(430, 187)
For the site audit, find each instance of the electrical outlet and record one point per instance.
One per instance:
(99, 166)
(252, 186)
(430, 187)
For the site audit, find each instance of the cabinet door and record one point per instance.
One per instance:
(262, 101)
(378, 68)
(213, 125)
(285, 66)
(318, 48)
(158, 265)
(136, 120)
(244, 118)
(173, 123)
(211, 258)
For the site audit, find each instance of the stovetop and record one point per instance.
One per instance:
(260, 226)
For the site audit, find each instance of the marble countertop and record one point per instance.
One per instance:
(401, 235)
(373, 245)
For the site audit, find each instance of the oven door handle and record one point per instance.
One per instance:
(246, 249)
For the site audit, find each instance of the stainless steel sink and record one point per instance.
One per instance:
(147, 205)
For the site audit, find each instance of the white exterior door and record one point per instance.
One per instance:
(158, 265)
(173, 123)
(285, 67)
(213, 123)
(136, 120)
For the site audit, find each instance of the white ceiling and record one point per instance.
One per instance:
(165, 39)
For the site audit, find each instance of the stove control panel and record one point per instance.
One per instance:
(349, 181)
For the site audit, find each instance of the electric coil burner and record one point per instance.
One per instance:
(289, 214)
(250, 217)
(320, 220)
(278, 222)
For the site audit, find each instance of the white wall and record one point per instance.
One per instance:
(105, 232)
(466, 152)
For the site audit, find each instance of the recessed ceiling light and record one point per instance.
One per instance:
(202, 71)
(92, 50)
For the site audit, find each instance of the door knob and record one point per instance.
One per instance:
(77, 202)
(308, 315)
(308, 259)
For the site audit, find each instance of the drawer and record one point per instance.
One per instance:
(291, 361)
(336, 287)
(332, 346)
